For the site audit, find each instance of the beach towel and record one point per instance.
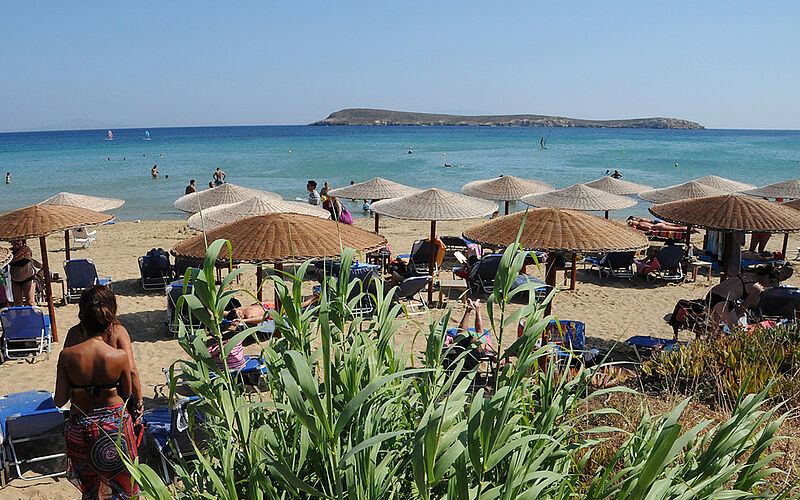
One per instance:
(93, 464)
(235, 359)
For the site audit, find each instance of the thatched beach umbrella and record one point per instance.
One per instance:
(785, 189)
(685, 191)
(580, 197)
(96, 203)
(617, 186)
(221, 195)
(5, 257)
(551, 229)
(434, 205)
(731, 213)
(505, 188)
(794, 204)
(41, 220)
(220, 215)
(724, 184)
(279, 238)
(374, 189)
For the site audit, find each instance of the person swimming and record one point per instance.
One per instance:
(8, 177)
(154, 172)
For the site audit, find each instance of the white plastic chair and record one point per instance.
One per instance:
(83, 236)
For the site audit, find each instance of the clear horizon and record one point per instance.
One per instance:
(151, 65)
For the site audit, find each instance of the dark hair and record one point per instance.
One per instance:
(191, 181)
(97, 310)
(768, 271)
(312, 184)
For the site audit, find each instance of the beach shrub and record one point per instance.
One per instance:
(345, 413)
(718, 370)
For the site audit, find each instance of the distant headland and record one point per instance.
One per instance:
(381, 117)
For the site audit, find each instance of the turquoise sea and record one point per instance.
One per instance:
(283, 158)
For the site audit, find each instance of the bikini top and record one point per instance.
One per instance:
(94, 389)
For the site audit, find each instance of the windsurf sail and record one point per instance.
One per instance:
(146, 135)
(544, 140)
(110, 135)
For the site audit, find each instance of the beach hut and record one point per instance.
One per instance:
(220, 215)
(38, 221)
(96, 203)
(278, 238)
(221, 195)
(724, 184)
(552, 230)
(580, 197)
(505, 188)
(731, 213)
(617, 186)
(434, 205)
(374, 189)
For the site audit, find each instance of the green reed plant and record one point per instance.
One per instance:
(345, 413)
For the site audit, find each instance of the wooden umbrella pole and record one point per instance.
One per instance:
(48, 288)
(278, 267)
(432, 260)
(66, 244)
(259, 278)
(606, 214)
(550, 279)
(688, 236)
(785, 244)
(506, 207)
(377, 223)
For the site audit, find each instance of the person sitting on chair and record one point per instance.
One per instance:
(729, 301)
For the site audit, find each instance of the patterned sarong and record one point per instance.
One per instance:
(93, 463)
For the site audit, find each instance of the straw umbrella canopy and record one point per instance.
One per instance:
(374, 189)
(687, 190)
(785, 189)
(732, 213)
(434, 205)
(505, 188)
(5, 257)
(551, 229)
(617, 186)
(724, 184)
(220, 215)
(96, 203)
(794, 204)
(277, 238)
(580, 197)
(41, 220)
(221, 195)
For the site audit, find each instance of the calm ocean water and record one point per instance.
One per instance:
(283, 158)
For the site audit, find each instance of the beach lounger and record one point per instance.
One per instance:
(83, 236)
(249, 374)
(81, 274)
(614, 264)
(651, 344)
(25, 332)
(170, 433)
(174, 291)
(155, 269)
(484, 363)
(777, 303)
(25, 418)
(410, 290)
(419, 259)
(669, 260)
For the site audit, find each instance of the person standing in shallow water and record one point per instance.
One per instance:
(96, 378)
(8, 177)
(191, 188)
(219, 177)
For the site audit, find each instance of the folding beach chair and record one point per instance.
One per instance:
(669, 258)
(170, 432)
(690, 315)
(83, 236)
(82, 274)
(419, 260)
(28, 417)
(483, 277)
(410, 290)
(155, 269)
(25, 332)
(651, 344)
(614, 264)
(365, 274)
(569, 338)
(174, 291)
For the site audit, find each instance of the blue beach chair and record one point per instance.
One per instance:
(82, 274)
(25, 332)
(27, 417)
(651, 344)
(569, 338)
(169, 430)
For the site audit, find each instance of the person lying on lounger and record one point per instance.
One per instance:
(653, 225)
(480, 338)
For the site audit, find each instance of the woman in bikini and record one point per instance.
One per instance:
(730, 300)
(96, 378)
(23, 274)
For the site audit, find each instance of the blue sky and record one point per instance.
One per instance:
(127, 64)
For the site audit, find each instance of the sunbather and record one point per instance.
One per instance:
(481, 339)
(653, 225)
(730, 300)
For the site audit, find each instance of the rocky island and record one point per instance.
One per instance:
(382, 117)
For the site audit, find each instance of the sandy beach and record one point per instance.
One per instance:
(613, 310)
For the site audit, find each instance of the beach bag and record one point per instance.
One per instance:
(345, 217)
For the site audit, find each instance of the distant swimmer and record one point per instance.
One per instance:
(616, 174)
(448, 165)
(8, 177)
(541, 142)
(210, 185)
(144, 154)
(154, 172)
(409, 150)
(219, 177)
(191, 188)
(123, 158)
(608, 171)
(160, 156)
(108, 159)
